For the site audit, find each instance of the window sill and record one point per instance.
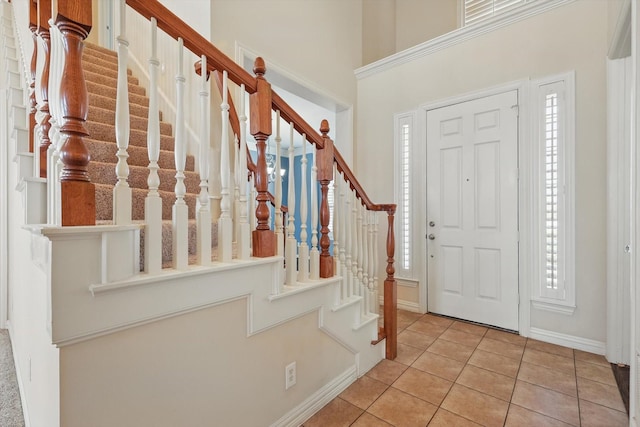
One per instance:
(554, 307)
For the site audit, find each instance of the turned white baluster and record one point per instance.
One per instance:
(279, 226)
(291, 246)
(339, 252)
(303, 253)
(354, 245)
(314, 262)
(372, 302)
(180, 225)
(338, 231)
(252, 203)
(122, 191)
(225, 223)
(236, 189)
(203, 216)
(244, 239)
(153, 202)
(374, 238)
(365, 257)
(347, 240)
(361, 257)
(53, 152)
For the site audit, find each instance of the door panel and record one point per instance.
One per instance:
(472, 197)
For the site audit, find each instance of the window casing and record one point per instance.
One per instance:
(405, 232)
(553, 136)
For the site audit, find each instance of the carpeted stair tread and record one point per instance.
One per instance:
(103, 132)
(101, 79)
(104, 63)
(104, 203)
(99, 49)
(108, 117)
(110, 92)
(101, 101)
(104, 151)
(104, 173)
(95, 68)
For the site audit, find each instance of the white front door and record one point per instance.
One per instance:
(472, 210)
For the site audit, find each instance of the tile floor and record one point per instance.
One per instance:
(451, 373)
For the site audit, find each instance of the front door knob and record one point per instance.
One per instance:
(431, 237)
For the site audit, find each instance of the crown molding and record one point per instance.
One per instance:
(459, 35)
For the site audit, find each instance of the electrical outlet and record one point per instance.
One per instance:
(290, 375)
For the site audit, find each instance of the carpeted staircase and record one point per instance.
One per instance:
(100, 67)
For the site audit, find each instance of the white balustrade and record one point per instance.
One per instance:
(180, 212)
(225, 223)
(361, 256)
(338, 231)
(354, 244)
(340, 252)
(244, 238)
(303, 252)
(348, 245)
(54, 210)
(291, 245)
(314, 261)
(153, 202)
(203, 214)
(376, 263)
(372, 302)
(122, 194)
(365, 257)
(279, 225)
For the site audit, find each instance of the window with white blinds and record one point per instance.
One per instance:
(480, 10)
(554, 138)
(404, 228)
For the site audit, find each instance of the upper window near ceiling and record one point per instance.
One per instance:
(480, 10)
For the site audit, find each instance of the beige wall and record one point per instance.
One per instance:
(317, 40)
(378, 29)
(196, 369)
(571, 37)
(420, 20)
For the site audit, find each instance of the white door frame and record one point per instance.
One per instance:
(525, 154)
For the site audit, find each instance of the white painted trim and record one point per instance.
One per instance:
(317, 400)
(4, 212)
(553, 307)
(524, 190)
(571, 341)
(621, 39)
(618, 209)
(407, 283)
(634, 387)
(457, 36)
(21, 387)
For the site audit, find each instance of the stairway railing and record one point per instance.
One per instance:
(355, 254)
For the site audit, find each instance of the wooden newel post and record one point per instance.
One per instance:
(78, 202)
(44, 14)
(33, 26)
(264, 239)
(390, 294)
(324, 165)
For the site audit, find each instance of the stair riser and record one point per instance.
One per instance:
(109, 82)
(110, 104)
(107, 133)
(106, 64)
(105, 152)
(110, 92)
(93, 49)
(104, 173)
(93, 75)
(108, 117)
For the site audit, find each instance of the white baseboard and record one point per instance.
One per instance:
(405, 305)
(571, 341)
(317, 400)
(23, 400)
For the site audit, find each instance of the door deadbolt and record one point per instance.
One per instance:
(431, 237)
(432, 224)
